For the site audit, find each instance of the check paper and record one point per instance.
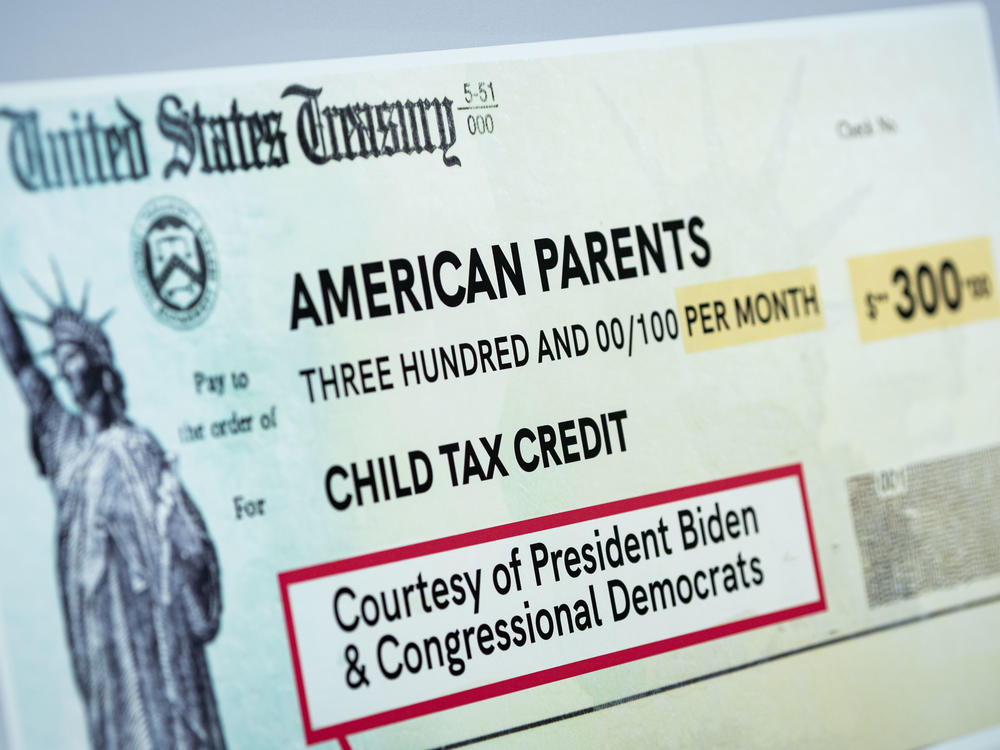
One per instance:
(628, 391)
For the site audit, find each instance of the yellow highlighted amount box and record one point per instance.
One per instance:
(910, 291)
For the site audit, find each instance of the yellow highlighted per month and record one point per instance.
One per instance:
(748, 309)
(909, 291)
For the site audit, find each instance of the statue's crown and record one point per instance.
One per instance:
(69, 325)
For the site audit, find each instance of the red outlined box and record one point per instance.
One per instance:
(314, 734)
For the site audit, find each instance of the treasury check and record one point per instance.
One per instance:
(619, 392)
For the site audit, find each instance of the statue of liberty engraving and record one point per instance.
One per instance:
(138, 573)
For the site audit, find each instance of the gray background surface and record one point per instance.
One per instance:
(58, 40)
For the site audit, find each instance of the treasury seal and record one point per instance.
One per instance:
(174, 262)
